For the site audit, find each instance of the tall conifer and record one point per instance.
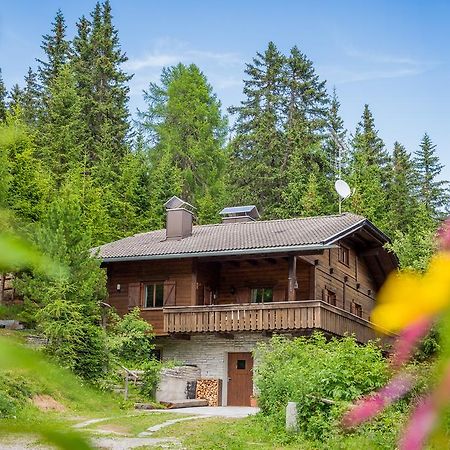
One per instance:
(368, 171)
(258, 148)
(3, 93)
(56, 48)
(433, 192)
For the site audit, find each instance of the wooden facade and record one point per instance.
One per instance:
(332, 290)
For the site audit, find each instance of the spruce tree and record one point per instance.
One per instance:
(336, 141)
(432, 192)
(57, 52)
(3, 93)
(15, 99)
(63, 134)
(401, 193)
(305, 103)
(31, 99)
(369, 172)
(103, 87)
(258, 148)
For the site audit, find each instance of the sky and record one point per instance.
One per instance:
(392, 55)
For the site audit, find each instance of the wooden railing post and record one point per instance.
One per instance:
(292, 279)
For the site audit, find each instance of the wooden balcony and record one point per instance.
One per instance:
(279, 316)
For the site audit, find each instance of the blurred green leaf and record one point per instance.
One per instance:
(16, 254)
(13, 355)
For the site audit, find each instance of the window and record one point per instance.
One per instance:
(154, 295)
(240, 365)
(261, 295)
(330, 297)
(344, 255)
(356, 309)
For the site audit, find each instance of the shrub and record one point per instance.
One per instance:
(10, 312)
(150, 379)
(130, 339)
(15, 390)
(309, 370)
(76, 342)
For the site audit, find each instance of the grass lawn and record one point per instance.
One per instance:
(232, 434)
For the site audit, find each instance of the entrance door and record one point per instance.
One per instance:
(240, 379)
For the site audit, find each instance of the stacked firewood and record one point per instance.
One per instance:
(209, 389)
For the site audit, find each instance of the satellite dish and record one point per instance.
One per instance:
(343, 189)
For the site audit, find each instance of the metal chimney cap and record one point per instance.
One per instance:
(175, 202)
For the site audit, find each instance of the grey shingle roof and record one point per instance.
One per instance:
(236, 238)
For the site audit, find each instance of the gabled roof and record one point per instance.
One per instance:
(266, 236)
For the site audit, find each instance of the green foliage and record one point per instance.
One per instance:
(433, 192)
(15, 391)
(10, 312)
(130, 338)
(307, 370)
(368, 172)
(74, 339)
(278, 124)
(188, 158)
(150, 379)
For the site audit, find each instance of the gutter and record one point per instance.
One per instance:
(247, 251)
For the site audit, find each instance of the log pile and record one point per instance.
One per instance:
(209, 389)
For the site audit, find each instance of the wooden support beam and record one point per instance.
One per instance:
(292, 279)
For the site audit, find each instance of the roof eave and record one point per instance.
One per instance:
(234, 252)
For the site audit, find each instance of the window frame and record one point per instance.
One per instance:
(358, 310)
(329, 294)
(263, 289)
(154, 285)
(344, 255)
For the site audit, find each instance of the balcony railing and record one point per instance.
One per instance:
(279, 316)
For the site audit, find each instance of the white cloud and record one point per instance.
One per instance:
(166, 52)
(370, 65)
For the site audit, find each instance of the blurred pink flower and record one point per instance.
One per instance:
(407, 341)
(420, 425)
(370, 406)
(444, 236)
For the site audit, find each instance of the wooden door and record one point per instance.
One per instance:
(240, 379)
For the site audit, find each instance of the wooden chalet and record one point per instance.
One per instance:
(212, 292)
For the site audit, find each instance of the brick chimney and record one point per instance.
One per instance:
(179, 218)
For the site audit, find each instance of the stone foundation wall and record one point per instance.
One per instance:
(209, 352)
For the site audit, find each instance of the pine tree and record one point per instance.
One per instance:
(185, 123)
(401, 193)
(368, 172)
(57, 52)
(336, 142)
(103, 87)
(63, 134)
(258, 149)
(3, 93)
(433, 192)
(15, 99)
(284, 114)
(31, 99)
(305, 103)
